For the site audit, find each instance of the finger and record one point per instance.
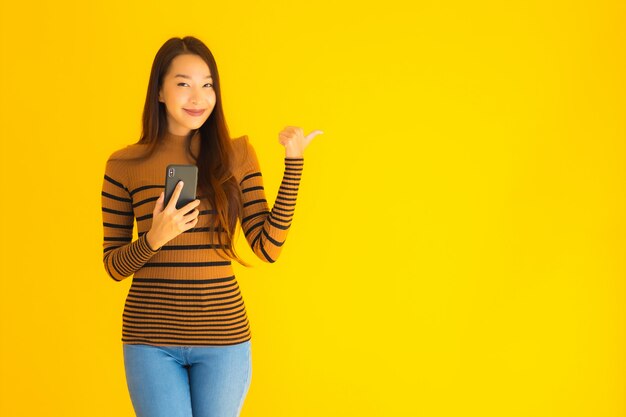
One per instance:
(187, 207)
(174, 199)
(191, 223)
(193, 214)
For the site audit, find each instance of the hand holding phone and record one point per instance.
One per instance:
(168, 221)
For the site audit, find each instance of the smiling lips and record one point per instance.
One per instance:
(197, 112)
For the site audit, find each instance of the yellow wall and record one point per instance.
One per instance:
(458, 244)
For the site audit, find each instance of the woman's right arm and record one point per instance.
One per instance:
(122, 257)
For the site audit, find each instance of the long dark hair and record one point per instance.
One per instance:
(216, 183)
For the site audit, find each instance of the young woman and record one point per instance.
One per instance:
(186, 336)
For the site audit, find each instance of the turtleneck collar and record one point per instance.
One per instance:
(172, 138)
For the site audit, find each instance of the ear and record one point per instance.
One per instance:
(161, 95)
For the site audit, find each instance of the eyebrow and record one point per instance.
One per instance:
(188, 77)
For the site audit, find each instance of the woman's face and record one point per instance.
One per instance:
(187, 86)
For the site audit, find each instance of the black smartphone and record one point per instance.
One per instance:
(186, 173)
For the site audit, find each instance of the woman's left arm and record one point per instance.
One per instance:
(266, 231)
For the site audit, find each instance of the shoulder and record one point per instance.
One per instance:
(241, 144)
(127, 152)
(244, 156)
(120, 160)
(242, 149)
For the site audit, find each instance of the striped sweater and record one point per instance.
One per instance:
(185, 293)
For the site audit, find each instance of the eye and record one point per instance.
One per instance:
(179, 84)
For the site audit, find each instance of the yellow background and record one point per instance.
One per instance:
(458, 244)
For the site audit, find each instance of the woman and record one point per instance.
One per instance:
(186, 336)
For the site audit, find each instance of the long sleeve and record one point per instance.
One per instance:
(266, 231)
(121, 257)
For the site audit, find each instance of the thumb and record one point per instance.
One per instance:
(311, 135)
(158, 206)
(314, 133)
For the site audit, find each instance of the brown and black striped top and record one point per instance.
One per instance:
(185, 293)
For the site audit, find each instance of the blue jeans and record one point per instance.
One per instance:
(188, 381)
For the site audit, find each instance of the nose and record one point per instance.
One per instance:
(195, 96)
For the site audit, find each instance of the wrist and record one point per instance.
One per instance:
(151, 243)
